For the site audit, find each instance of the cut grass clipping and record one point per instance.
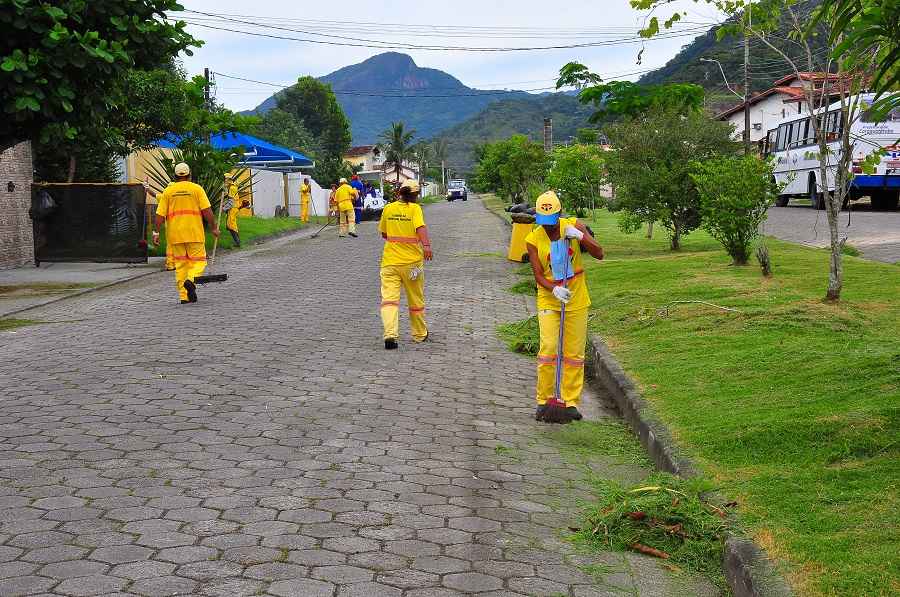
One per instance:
(663, 517)
(522, 336)
(527, 287)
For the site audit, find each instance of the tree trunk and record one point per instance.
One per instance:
(72, 164)
(650, 230)
(676, 238)
(836, 267)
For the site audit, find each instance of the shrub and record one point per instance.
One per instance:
(735, 194)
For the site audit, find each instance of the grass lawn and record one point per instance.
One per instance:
(791, 406)
(250, 228)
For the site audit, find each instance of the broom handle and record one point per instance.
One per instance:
(219, 225)
(562, 325)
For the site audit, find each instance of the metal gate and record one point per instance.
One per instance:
(89, 222)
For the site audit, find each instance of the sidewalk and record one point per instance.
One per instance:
(28, 287)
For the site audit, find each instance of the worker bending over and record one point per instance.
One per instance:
(560, 280)
(406, 248)
(344, 196)
(183, 206)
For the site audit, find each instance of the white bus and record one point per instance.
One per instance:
(797, 158)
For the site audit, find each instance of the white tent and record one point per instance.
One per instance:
(268, 193)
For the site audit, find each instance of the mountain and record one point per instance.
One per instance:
(509, 117)
(766, 65)
(390, 87)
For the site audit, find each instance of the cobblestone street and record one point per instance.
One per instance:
(262, 442)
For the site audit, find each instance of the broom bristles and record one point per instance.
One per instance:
(556, 412)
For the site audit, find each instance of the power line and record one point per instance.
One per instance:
(389, 46)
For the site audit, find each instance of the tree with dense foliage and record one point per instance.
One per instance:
(735, 196)
(577, 174)
(314, 104)
(650, 167)
(397, 147)
(511, 166)
(624, 98)
(57, 60)
(285, 129)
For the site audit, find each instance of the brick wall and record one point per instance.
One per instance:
(16, 242)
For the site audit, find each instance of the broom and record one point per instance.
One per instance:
(556, 406)
(210, 278)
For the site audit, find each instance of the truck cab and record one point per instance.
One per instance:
(457, 189)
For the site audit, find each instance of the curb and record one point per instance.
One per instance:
(748, 569)
(301, 234)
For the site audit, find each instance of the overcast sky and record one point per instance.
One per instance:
(562, 22)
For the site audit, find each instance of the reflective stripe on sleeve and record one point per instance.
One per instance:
(182, 212)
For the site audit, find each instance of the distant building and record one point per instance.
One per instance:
(367, 157)
(783, 99)
(369, 163)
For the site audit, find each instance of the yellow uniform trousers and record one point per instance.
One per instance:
(574, 339)
(348, 221)
(304, 209)
(393, 277)
(190, 261)
(170, 259)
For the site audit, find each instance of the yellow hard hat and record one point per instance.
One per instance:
(547, 208)
(410, 185)
(182, 169)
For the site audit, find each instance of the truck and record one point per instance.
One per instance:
(457, 190)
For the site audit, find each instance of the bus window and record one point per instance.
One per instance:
(770, 142)
(784, 133)
(797, 134)
(869, 116)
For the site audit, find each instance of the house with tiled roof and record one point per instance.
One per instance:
(783, 99)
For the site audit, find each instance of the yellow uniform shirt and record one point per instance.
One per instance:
(231, 222)
(545, 300)
(305, 192)
(180, 204)
(344, 196)
(399, 222)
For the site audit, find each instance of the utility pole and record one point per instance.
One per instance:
(548, 135)
(746, 92)
(206, 89)
(443, 177)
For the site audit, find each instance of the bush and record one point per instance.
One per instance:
(735, 194)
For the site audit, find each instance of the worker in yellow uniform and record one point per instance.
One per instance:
(406, 248)
(344, 196)
(183, 206)
(305, 195)
(234, 206)
(559, 275)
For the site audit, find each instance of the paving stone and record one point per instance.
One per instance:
(161, 586)
(342, 575)
(47, 555)
(186, 554)
(24, 585)
(316, 557)
(11, 569)
(90, 585)
(305, 587)
(209, 570)
(537, 586)
(121, 554)
(73, 569)
(350, 544)
(472, 582)
(370, 589)
(144, 569)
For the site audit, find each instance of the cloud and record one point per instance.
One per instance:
(468, 23)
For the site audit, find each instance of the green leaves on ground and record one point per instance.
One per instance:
(522, 336)
(663, 516)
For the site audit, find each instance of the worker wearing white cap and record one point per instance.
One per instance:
(406, 248)
(344, 196)
(559, 275)
(183, 206)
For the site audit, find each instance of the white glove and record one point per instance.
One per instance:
(563, 294)
(573, 232)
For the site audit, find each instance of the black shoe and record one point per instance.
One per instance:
(185, 302)
(573, 414)
(390, 344)
(539, 413)
(354, 235)
(191, 290)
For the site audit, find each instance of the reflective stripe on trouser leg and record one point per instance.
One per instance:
(348, 221)
(415, 298)
(190, 261)
(390, 300)
(575, 337)
(351, 220)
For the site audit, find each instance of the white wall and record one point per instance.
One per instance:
(268, 193)
(766, 112)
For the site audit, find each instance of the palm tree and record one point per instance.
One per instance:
(424, 156)
(396, 146)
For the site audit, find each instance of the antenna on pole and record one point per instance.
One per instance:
(548, 135)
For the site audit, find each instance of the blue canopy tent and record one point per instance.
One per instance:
(257, 154)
